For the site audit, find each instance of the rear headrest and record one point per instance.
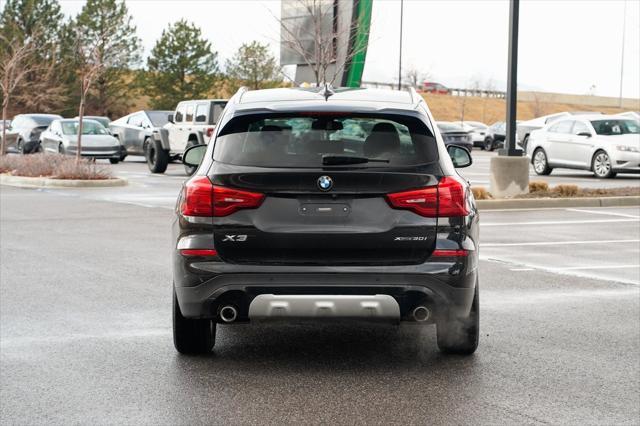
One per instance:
(384, 138)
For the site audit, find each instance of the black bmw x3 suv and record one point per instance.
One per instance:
(326, 203)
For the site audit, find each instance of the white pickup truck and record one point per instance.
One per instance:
(192, 123)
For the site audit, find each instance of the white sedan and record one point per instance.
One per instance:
(606, 145)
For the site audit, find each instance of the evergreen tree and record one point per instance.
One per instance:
(39, 23)
(254, 66)
(106, 27)
(182, 65)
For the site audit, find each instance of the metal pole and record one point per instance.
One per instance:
(512, 83)
(400, 58)
(624, 22)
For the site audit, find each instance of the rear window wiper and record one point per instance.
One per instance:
(337, 160)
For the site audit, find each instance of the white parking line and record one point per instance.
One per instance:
(579, 268)
(605, 213)
(556, 222)
(557, 243)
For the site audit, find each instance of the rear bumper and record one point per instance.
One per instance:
(445, 290)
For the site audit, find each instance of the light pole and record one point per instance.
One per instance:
(624, 22)
(510, 148)
(400, 58)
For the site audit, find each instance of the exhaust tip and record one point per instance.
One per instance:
(421, 313)
(228, 313)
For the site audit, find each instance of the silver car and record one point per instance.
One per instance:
(606, 145)
(62, 137)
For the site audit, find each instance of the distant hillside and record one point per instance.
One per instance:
(490, 110)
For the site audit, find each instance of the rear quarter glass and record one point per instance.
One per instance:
(301, 141)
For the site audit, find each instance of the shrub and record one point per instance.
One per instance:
(566, 190)
(480, 193)
(55, 166)
(538, 186)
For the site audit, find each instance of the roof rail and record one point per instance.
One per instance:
(241, 91)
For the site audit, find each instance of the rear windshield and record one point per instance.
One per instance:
(43, 120)
(449, 127)
(304, 141)
(615, 127)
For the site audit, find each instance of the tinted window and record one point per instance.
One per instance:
(158, 118)
(189, 115)
(179, 114)
(302, 141)
(562, 127)
(615, 127)
(201, 113)
(217, 111)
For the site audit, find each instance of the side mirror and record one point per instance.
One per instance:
(193, 156)
(587, 134)
(170, 118)
(459, 156)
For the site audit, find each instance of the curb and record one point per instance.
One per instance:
(45, 182)
(540, 203)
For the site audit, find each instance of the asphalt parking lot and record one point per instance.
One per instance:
(85, 326)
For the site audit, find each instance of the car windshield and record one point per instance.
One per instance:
(615, 127)
(281, 140)
(158, 118)
(88, 128)
(449, 127)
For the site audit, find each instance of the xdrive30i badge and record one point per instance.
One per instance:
(325, 183)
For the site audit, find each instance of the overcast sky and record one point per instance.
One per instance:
(565, 46)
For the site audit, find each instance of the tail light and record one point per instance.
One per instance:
(209, 131)
(447, 199)
(199, 252)
(201, 198)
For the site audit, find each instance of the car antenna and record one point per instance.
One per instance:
(328, 91)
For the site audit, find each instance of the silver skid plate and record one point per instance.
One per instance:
(375, 307)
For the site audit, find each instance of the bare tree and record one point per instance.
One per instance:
(90, 67)
(316, 41)
(15, 65)
(414, 77)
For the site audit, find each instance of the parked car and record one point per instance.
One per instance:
(477, 131)
(287, 219)
(135, 131)
(23, 134)
(100, 119)
(432, 87)
(62, 137)
(454, 134)
(193, 122)
(524, 128)
(604, 144)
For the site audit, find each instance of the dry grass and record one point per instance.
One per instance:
(481, 193)
(566, 190)
(54, 166)
(538, 186)
(563, 191)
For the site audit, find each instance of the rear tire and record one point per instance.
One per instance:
(20, 147)
(460, 335)
(192, 336)
(157, 157)
(488, 145)
(540, 163)
(114, 160)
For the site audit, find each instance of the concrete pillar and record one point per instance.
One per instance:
(509, 176)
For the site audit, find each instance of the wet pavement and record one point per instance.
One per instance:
(85, 327)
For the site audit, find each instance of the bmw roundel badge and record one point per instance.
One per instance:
(325, 183)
